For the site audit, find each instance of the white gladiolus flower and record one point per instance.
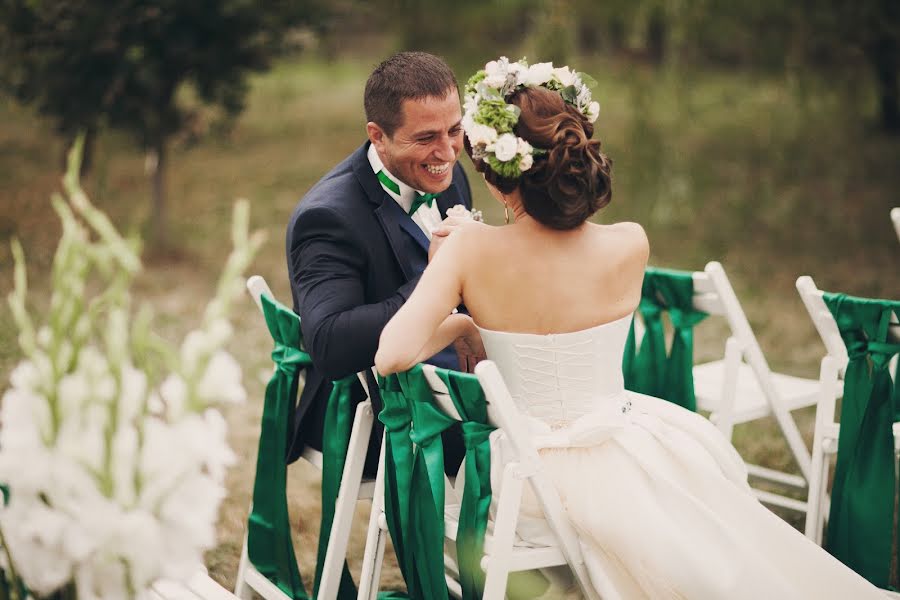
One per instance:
(221, 382)
(505, 147)
(173, 393)
(34, 534)
(526, 162)
(481, 134)
(593, 110)
(539, 74)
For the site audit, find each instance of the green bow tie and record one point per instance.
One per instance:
(418, 201)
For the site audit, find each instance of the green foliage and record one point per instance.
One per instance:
(508, 169)
(497, 114)
(122, 63)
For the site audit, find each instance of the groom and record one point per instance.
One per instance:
(360, 238)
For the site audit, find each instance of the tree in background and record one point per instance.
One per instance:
(124, 64)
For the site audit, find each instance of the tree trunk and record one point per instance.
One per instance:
(158, 218)
(884, 56)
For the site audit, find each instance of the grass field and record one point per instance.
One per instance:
(773, 177)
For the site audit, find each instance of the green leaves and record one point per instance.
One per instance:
(497, 114)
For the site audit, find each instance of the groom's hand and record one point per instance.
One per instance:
(469, 352)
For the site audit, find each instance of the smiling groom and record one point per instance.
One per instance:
(358, 240)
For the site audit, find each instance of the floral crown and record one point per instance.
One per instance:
(488, 119)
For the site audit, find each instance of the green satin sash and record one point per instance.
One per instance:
(650, 370)
(396, 417)
(470, 403)
(416, 467)
(269, 545)
(860, 526)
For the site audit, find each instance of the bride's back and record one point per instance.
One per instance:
(532, 279)
(552, 271)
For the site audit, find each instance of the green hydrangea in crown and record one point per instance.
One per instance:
(488, 119)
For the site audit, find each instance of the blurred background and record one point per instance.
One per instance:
(762, 134)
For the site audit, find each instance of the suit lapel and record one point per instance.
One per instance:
(448, 198)
(408, 243)
(410, 250)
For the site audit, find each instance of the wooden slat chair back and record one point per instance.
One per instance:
(487, 577)
(741, 387)
(275, 574)
(895, 217)
(866, 510)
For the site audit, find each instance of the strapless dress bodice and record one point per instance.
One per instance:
(560, 377)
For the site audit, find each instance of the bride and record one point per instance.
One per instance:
(658, 497)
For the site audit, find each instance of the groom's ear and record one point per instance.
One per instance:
(376, 135)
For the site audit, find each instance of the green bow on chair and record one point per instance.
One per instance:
(414, 479)
(861, 523)
(651, 371)
(269, 545)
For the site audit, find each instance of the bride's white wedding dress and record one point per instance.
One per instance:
(658, 496)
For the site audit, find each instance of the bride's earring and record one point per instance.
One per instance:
(506, 211)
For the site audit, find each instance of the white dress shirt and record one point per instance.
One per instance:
(428, 218)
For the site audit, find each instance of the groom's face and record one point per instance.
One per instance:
(422, 150)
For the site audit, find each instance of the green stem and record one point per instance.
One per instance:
(14, 595)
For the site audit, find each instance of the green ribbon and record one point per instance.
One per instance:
(414, 479)
(338, 424)
(420, 199)
(269, 545)
(398, 467)
(650, 370)
(860, 525)
(471, 404)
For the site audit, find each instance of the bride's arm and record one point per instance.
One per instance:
(424, 325)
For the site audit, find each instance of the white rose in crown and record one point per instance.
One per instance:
(506, 147)
(539, 74)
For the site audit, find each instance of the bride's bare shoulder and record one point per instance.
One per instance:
(627, 235)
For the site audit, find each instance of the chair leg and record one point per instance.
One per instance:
(724, 416)
(497, 563)
(370, 576)
(241, 589)
(348, 494)
(819, 465)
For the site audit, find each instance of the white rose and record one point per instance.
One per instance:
(564, 75)
(523, 147)
(593, 110)
(526, 162)
(505, 147)
(459, 211)
(481, 134)
(495, 72)
(519, 71)
(539, 74)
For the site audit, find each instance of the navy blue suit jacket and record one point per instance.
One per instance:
(354, 257)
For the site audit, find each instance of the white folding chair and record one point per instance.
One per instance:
(501, 555)
(353, 487)
(740, 387)
(831, 377)
(895, 217)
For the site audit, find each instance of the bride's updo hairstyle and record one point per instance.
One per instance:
(530, 128)
(571, 180)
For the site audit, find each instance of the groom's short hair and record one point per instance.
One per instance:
(404, 76)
